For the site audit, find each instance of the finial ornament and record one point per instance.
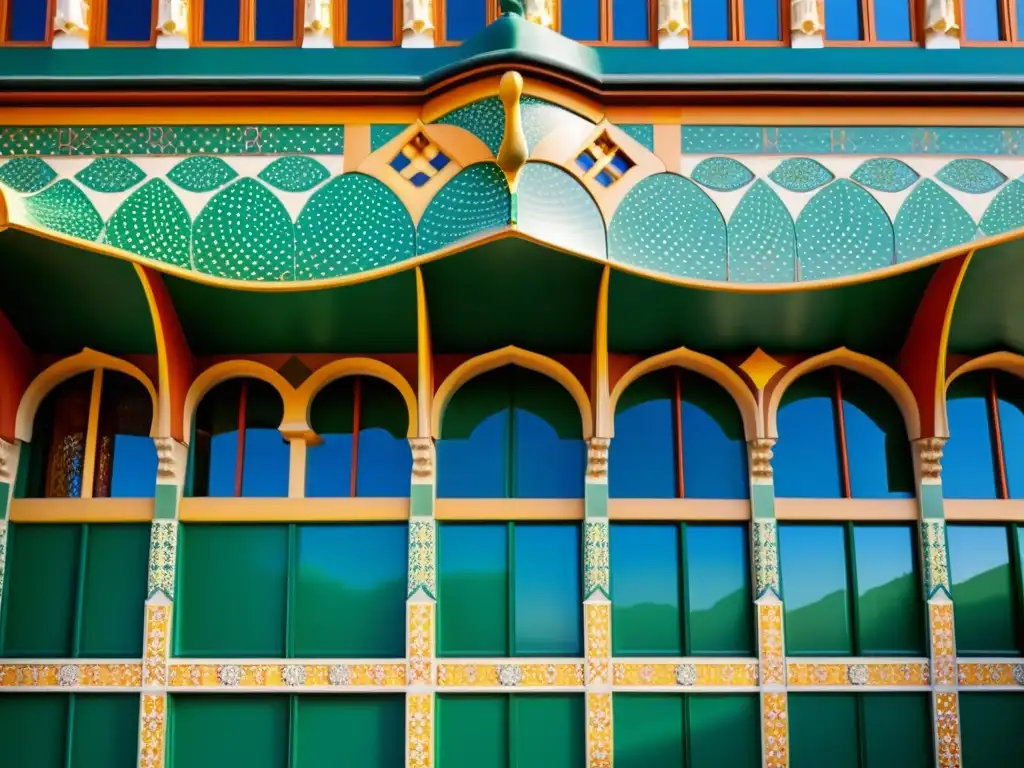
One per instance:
(417, 24)
(674, 23)
(71, 24)
(317, 23)
(941, 25)
(807, 23)
(513, 151)
(172, 24)
(541, 12)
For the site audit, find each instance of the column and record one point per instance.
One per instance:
(172, 24)
(597, 607)
(318, 24)
(421, 607)
(9, 453)
(768, 606)
(71, 24)
(807, 24)
(941, 639)
(674, 23)
(417, 23)
(163, 547)
(941, 25)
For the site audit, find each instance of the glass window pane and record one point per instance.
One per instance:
(63, 440)
(547, 591)
(33, 729)
(213, 456)
(464, 18)
(472, 563)
(806, 459)
(710, 20)
(265, 472)
(877, 446)
(549, 730)
(897, 730)
(815, 592)
(28, 21)
(549, 455)
(843, 20)
(385, 459)
(892, 20)
(371, 728)
(134, 469)
(581, 20)
(1010, 390)
(105, 731)
(349, 570)
(980, 573)
(990, 729)
(889, 602)
(329, 465)
(114, 593)
(473, 452)
(129, 21)
(981, 20)
(274, 20)
(761, 20)
(717, 583)
(486, 718)
(645, 584)
(217, 730)
(631, 20)
(724, 730)
(714, 447)
(642, 456)
(968, 462)
(222, 20)
(232, 590)
(648, 729)
(223, 465)
(823, 724)
(126, 455)
(370, 20)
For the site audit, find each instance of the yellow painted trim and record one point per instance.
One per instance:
(61, 371)
(163, 362)
(511, 356)
(424, 358)
(297, 450)
(92, 435)
(858, 363)
(1009, 362)
(984, 510)
(706, 366)
(846, 509)
(941, 419)
(604, 415)
(508, 509)
(245, 510)
(236, 369)
(83, 510)
(679, 509)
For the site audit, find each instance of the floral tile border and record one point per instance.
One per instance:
(289, 675)
(152, 730)
(510, 674)
(972, 674)
(914, 673)
(686, 674)
(71, 674)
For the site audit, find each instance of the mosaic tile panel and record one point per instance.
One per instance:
(294, 173)
(421, 643)
(157, 645)
(201, 174)
(641, 133)
(910, 674)
(885, 174)
(943, 653)
(1006, 211)
(972, 176)
(947, 730)
(110, 174)
(152, 223)
(70, 675)
(933, 538)
(770, 644)
(26, 174)
(686, 674)
(800, 174)
(553, 206)
(775, 730)
(596, 565)
(419, 739)
(599, 730)
(985, 674)
(285, 675)
(163, 547)
(173, 140)
(722, 174)
(766, 557)
(762, 238)
(152, 730)
(422, 559)
(475, 201)
(510, 675)
(64, 208)
(931, 220)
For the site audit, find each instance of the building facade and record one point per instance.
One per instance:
(559, 383)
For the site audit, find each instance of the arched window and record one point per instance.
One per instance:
(841, 435)
(870, 21)
(252, 22)
(363, 422)
(677, 435)
(511, 433)
(369, 22)
(123, 459)
(236, 447)
(737, 20)
(27, 22)
(984, 458)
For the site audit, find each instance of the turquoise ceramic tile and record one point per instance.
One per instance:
(722, 174)
(383, 133)
(1006, 211)
(931, 220)
(153, 223)
(641, 133)
(975, 177)
(554, 207)
(294, 173)
(762, 239)
(477, 200)
(64, 208)
(800, 174)
(885, 174)
(110, 174)
(714, 140)
(26, 174)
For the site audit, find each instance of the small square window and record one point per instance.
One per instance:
(420, 160)
(603, 161)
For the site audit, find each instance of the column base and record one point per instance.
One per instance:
(317, 39)
(800, 40)
(176, 42)
(941, 42)
(65, 42)
(673, 42)
(413, 39)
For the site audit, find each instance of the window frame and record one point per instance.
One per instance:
(99, 13)
(441, 21)
(246, 28)
(1009, 26)
(339, 13)
(737, 28)
(870, 35)
(5, 20)
(994, 428)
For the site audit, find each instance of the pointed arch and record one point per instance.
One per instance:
(237, 369)
(706, 366)
(1008, 362)
(866, 366)
(511, 355)
(61, 371)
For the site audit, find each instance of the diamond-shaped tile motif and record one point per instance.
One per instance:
(294, 173)
(722, 174)
(760, 367)
(885, 174)
(419, 160)
(110, 174)
(800, 174)
(975, 177)
(603, 161)
(201, 173)
(26, 174)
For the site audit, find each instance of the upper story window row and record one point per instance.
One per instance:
(595, 22)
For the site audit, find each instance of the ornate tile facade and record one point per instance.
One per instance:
(947, 721)
(597, 622)
(420, 622)
(1010, 673)
(163, 547)
(74, 675)
(936, 560)
(599, 730)
(775, 730)
(510, 674)
(596, 566)
(770, 645)
(422, 557)
(419, 739)
(766, 557)
(286, 675)
(152, 730)
(686, 674)
(157, 645)
(911, 674)
(940, 622)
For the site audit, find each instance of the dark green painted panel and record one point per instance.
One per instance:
(114, 592)
(983, 590)
(363, 731)
(33, 730)
(990, 729)
(646, 590)
(724, 730)
(40, 590)
(472, 731)
(719, 619)
(987, 316)
(823, 727)
(216, 731)
(105, 731)
(889, 607)
(648, 730)
(349, 593)
(231, 591)
(473, 584)
(548, 730)
(897, 730)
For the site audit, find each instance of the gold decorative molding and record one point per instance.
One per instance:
(286, 675)
(152, 730)
(686, 673)
(597, 459)
(510, 674)
(761, 459)
(775, 730)
(541, 12)
(989, 673)
(928, 457)
(829, 673)
(424, 458)
(514, 151)
(947, 730)
(71, 674)
(674, 23)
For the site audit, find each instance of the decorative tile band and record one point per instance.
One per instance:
(909, 674)
(246, 675)
(422, 556)
(155, 652)
(940, 622)
(419, 740)
(935, 557)
(152, 730)
(770, 648)
(597, 618)
(766, 557)
(163, 547)
(1010, 673)
(775, 730)
(599, 730)
(421, 643)
(687, 674)
(596, 570)
(71, 674)
(509, 674)
(947, 730)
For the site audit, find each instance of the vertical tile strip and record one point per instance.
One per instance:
(597, 607)
(775, 730)
(947, 730)
(421, 609)
(152, 730)
(419, 730)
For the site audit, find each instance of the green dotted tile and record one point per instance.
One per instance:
(554, 207)
(931, 220)
(295, 173)
(26, 174)
(1006, 211)
(201, 174)
(354, 224)
(722, 174)
(477, 200)
(153, 223)
(64, 208)
(762, 239)
(245, 233)
(800, 174)
(542, 117)
(975, 177)
(485, 119)
(383, 133)
(885, 174)
(110, 174)
(667, 224)
(842, 231)
(640, 133)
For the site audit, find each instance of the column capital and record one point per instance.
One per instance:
(172, 24)
(928, 458)
(941, 24)
(424, 460)
(172, 457)
(673, 23)
(71, 24)
(417, 24)
(8, 461)
(760, 452)
(807, 23)
(317, 24)
(597, 459)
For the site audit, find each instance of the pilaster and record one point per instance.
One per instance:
(172, 24)
(421, 607)
(417, 23)
(807, 23)
(768, 606)
(674, 24)
(941, 24)
(9, 453)
(318, 24)
(71, 24)
(597, 607)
